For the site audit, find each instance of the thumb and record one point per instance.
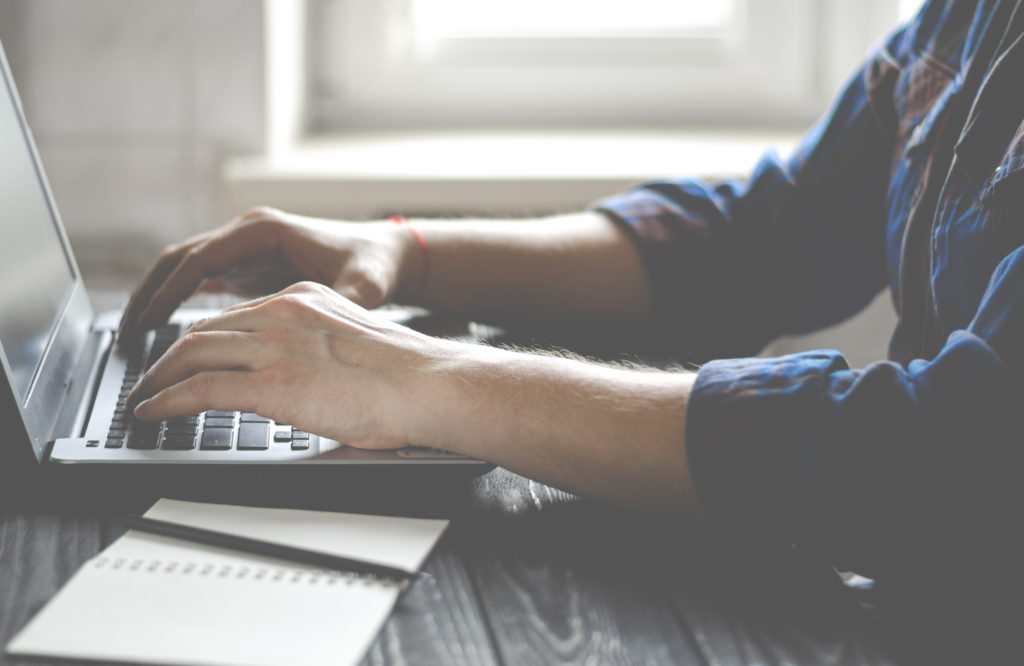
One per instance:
(366, 286)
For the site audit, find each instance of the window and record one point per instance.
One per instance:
(500, 63)
(432, 20)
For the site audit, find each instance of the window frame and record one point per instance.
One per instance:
(364, 79)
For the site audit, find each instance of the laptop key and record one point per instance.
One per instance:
(144, 438)
(253, 417)
(219, 422)
(179, 442)
(114, 443)
(216, 439)
(214, 412)
(182, 429)
(253, 436)
(300, 445)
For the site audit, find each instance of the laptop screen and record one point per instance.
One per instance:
(35, 273)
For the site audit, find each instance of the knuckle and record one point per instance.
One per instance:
(198, 325)
(196, 259)
(288, 302)
(291, 304)
(194, 253)
(369, 290)
(190, 341)
(303, 287)
(169, 252)
(258, 212)
(260, 225)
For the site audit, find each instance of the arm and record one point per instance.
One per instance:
(599, 431)
(571, 269)
(309, 357)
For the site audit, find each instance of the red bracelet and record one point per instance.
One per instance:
(424, 252)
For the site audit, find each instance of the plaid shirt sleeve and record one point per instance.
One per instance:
(862, 466)
(798, 246)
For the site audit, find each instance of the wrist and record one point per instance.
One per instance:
(452, 393)
(607, 432)
(413, 262)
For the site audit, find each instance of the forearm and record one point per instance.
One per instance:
(570, 269)
(604, 432)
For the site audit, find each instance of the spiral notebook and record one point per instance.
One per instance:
(153, 599)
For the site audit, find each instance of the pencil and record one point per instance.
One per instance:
(258, 547)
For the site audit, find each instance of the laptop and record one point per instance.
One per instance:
(66, 381)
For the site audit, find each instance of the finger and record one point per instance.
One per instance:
(213, 258)
(213, 286)
(192, 354)
(227, 390)
(128, 330)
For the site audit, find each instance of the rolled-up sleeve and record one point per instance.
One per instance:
(876, 469)
(799, 245)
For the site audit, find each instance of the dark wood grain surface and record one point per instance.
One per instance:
(525, 575)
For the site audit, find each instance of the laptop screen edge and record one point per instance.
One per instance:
(54, 376)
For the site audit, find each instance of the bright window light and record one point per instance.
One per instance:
(443, 19)
(907, 9)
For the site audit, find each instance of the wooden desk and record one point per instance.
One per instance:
(525, 575)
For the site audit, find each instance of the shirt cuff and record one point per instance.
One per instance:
(752, 425)
(872, 468)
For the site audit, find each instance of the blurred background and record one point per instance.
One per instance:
(156, 120)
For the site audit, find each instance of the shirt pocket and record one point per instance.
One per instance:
(1002, 198)
(919, 127)
(922, 98)
(1006, 184)
(980, 222)
(921, 95)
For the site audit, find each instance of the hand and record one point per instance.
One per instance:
(266, 250)
(305, 356)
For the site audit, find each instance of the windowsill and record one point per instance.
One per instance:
(491, 172)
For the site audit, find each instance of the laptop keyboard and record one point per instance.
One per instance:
(210, 431)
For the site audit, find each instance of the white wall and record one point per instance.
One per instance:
(134, 104)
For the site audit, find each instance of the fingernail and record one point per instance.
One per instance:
(140, 409)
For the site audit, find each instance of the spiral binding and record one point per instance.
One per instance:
(256, 573)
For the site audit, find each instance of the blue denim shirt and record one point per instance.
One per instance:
(914, 180)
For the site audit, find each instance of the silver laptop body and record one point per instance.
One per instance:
(62, 374)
